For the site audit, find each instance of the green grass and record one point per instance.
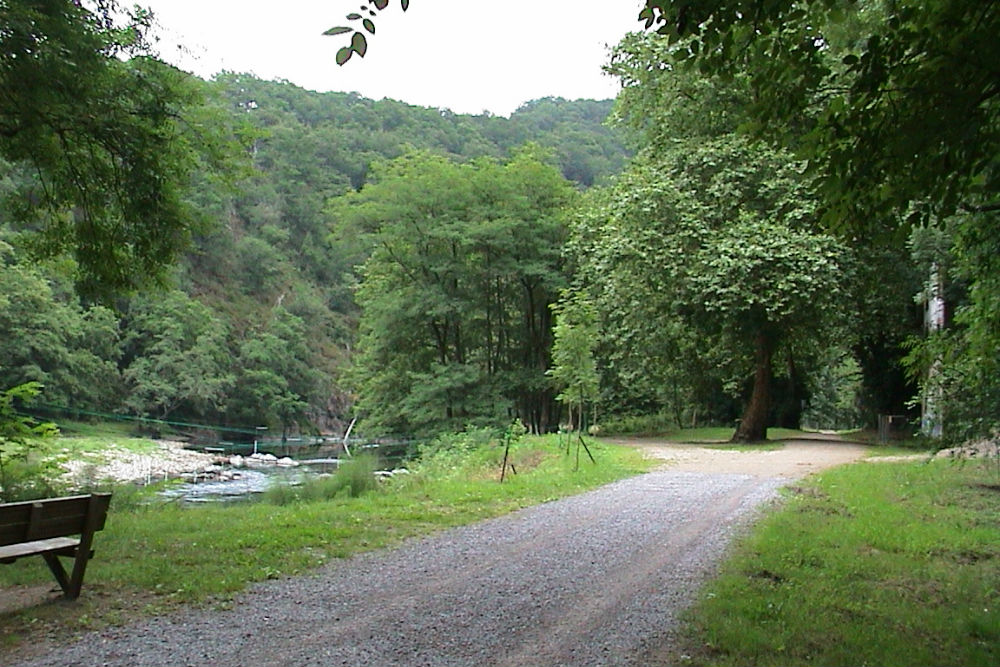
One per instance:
(354, 478)
(34, 469)
(665, 427)
(152, 557)
(896, 446)
(103, 429)
(95, 447)
(769, 446)
(722, 434)
(869, 564)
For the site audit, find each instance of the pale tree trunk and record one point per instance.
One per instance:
(753, 426)
(930, 418)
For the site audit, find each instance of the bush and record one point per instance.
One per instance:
(25, 478)
(282, 494)
(356, 476)
(657, 424)
(452, 452)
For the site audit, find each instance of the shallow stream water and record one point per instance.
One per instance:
(245, 482)
(234, 483)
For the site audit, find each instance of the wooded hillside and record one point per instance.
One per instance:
(257, 321)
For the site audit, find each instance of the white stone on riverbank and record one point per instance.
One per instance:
(169, 459)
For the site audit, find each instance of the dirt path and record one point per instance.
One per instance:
(597, 579)
(797, 458)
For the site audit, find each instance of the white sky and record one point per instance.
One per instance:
(464, 55)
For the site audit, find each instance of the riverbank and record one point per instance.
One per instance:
(163, 459)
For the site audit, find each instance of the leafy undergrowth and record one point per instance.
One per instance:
(870, 564)
(150, 558)
(36, 468)
(896, 446)
(665, 427)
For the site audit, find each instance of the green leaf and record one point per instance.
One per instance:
(359, 44)
(381, 4)
(353, 17)
(339, 30)
(343, 55)
(405, 4)
(369, 26)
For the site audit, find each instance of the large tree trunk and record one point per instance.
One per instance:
(753, 426)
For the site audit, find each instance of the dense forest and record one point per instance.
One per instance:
(751, 233)
(256, 321)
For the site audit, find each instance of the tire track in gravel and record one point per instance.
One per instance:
(595, 579)
(687, 555)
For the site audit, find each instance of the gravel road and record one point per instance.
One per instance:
(596, 579)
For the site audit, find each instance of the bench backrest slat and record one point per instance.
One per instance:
(42, 519)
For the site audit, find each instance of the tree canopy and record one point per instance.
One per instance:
(465, 262)
(896, 108)
(108, 138)
(895, 104)
(259, 315)
(704, 266)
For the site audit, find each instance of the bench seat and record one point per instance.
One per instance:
(62, 546)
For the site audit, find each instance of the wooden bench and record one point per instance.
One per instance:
(44, 528)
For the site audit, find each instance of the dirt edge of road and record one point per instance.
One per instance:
(796, 458)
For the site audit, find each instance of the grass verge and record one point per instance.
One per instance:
(723, 434)
(152, 558)
(896, 446)
(870, 564)
(746, 447)
(665, 427)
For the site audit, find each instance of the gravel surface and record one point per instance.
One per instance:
(596, 579)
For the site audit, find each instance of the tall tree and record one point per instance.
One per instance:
(767, 285)
(176, 361)
(110, 135)
(574, 369)
(455, 297)
(870, 92)
(277, 374)
(710, 244)
(896, 105)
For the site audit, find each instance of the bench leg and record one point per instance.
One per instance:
(60, 573)
(79, 568)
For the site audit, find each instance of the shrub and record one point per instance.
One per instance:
(356, 476)
(282, 494)
(29, 478)
(452, 452)
(657, 424)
